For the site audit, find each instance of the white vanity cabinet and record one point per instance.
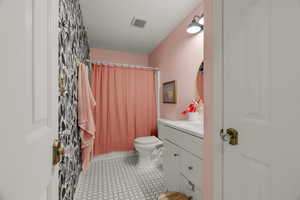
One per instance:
(171, 162)
(182, 158)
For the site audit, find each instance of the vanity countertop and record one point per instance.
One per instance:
(194, 128)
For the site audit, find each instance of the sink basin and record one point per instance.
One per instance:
(193, 127)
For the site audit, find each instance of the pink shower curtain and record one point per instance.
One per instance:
(126, 107)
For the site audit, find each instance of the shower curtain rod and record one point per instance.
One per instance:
(122, 65)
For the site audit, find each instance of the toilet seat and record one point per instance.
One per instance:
(147, 140)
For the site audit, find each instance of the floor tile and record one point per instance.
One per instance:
(119, 179)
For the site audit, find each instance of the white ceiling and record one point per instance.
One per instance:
(108, 22)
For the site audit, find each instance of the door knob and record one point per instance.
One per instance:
(231, 135)
(61, 85)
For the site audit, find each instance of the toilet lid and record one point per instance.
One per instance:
(147, 140)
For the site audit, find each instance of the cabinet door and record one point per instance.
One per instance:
(188, 188)
(171, 163)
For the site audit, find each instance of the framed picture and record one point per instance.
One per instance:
(169, 92)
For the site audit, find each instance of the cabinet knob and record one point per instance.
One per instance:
(175, 154)
(190, 168)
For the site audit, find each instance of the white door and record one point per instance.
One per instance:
(28, 108)
(262, 99)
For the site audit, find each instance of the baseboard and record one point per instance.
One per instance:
(113, 155)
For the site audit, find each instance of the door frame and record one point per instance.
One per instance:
(214, 103)
(213, 89)
(52, 192)
(53, 8)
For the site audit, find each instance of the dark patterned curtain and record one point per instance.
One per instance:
(73, 47)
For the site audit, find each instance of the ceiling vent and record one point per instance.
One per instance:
(138, 23)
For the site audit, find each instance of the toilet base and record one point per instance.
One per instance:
(145, 161)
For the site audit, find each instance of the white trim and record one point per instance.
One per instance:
(113, 155)
(53, 72)
(214, 97)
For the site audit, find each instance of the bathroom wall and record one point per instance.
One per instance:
(179, 57)
(119, 57)
(73, 46)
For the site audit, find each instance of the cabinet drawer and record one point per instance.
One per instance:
(192, 169)
(186, 187)
(186, 141)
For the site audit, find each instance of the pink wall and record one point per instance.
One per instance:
(179, 57)
(119, 57)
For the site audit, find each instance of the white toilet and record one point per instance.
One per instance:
(145, 147)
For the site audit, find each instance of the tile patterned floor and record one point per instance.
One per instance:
(119, 179)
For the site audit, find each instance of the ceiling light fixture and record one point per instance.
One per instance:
(196, 26)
